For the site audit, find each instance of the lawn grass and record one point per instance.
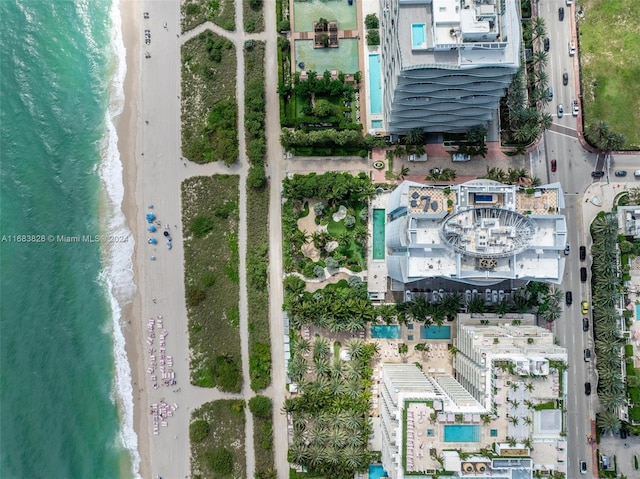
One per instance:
(610, 63)
(218, 451)
(209, 109)
(220, 12)
(210, 219)
(253, 17)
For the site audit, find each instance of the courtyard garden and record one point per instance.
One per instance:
(331, 425)
(324, 222)
(610, 66)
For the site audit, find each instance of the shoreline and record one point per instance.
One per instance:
(127, 128)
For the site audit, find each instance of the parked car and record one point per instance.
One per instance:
(583, 464)
(620, 173)
(597, 174)
(560, 110)
(572, 48)
(568, 297)
(546, 44)
(605, 461)
(585, 324)
(575, 108)
(587, 355)
(636, 173)
(565, 79)
(567, 249)
(561, 13)
(585, 307)
(583, 274)
(583, 253)
(550, 90)
(587, 389)
(554, 165)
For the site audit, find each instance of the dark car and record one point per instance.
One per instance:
(583, 253)
(565, 79)
(585, 324)
(546, 44)
(568, 297)
(620, 173)
(583, 274)
(623, 433)
(597, 174)
(587, 389)
(587, 355)
(554, 165)
(561, 13)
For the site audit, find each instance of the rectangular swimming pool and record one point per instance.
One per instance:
(418, 35)
(375, 86)
(383, 331)
(435, 332)
(461, 433)
(378, 233)
(376, 471)
(637, 312)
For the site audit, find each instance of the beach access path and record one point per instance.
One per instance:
(154, 171)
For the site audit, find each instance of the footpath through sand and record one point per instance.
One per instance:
(153, 172)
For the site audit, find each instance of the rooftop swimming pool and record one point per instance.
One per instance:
(378, 233)
(435, 332)
(375, 85)
(383, 331)
(461, 433)
(319, 60)
(376, 471)
(418, 36)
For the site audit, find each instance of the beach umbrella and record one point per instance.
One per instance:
(150, 217)
(152, 229)
(152, 241)
(166, 233)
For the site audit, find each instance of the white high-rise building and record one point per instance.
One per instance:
(446, 63)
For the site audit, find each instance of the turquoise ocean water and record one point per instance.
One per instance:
(65, 392)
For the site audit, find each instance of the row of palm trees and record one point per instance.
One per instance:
(331, 426)
(606, 287)
(513, 176)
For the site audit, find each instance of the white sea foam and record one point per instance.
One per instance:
(117, 275)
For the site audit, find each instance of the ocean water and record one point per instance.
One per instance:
(66, 403)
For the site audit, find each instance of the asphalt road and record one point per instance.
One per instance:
(574, 167)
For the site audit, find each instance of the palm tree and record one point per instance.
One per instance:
(477, 305)
(502, 307)
(527, 420)
(414, 137)
(546, 120)
(404, 171)
(608, 421)
(540, 58)
(321, 348)
(529, 387)
(611, 401)
(539, 27)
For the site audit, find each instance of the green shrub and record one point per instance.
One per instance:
(227, 374)
(198, 430)
(373, 37)
(261, 406)
(284, 26)
(260, 366)
(628, 350)
(201, 225)
(220, 460)
(208, 279)
(195, 296)
(371, 21)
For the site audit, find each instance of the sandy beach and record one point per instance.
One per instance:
(149, 143)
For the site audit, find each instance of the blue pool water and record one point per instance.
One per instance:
(435, 332)
(375, 86)
(461, 433)
(381, 331)
(376, 471)
(418, 35)
(376, 123)
(637, 312)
